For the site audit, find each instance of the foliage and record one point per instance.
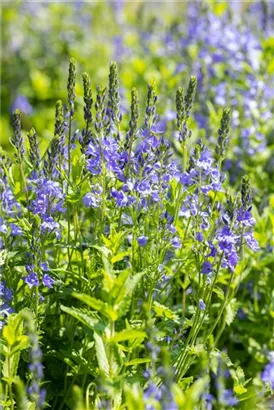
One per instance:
(136, 247)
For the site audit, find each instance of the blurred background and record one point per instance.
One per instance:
(227, 45)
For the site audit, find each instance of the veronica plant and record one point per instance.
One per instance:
(128, 257)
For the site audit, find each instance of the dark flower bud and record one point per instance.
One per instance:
(180, 107)
(17, 139)
(150, 118)
(52, 156)
(34, 153)
(223, 134)
(245, 193)
(133, 118)
(100, 122)
(184, 106)
(87, 99)
(71, 85)
(59, 118)
(113, 95)
(190, 95)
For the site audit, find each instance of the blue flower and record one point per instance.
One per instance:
(47, 280)
(44, 266)
(3, 226)
(206, 268)
(144, 188)
(15, 230)
(176, 243)
(268, 373)
(120, 197)
(228, 398)
(199, 237)
(49, 197)
(252, 243)
(142, 240)
(50, 225)
(226, 239)
(232, 259)
(5, 298)
(202, 305)
(5, 292)
(213, 250)
(93, 199)
(205, 160)
(31, 279)
(159, 128)
(22, 104)
(245, 217)
(8, 201)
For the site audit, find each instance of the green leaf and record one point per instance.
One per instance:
(106, 254)
(4, 350)
(231, 311)
(219, 292)
(3, 255)
(119, 283)
(98, 305)
(185, 382)
(119, 256)
(133, 362)
(163, 311)
(13, 329)
(21, 344)
(134, 397)
(194, 392)
(10, 366)
(128, 334)
(84, 318)
(101, 354)
(123, 300)
(239, 389)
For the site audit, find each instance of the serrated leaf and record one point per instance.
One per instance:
(106, 254)
(10, 366)
(98, 305)
(231, 311)
(119, 257)
(219, 292)
(196, 350)
(239, 389)
(3, 348)
(101, 354)
(13, 329)
(119, 283)
(185, 382)
(163, 311)
(3, 255)
(123, 300)
(127, 334)
(84, 318)
(21, 344)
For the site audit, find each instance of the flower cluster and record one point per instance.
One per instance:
(5, 298)
(135, 221)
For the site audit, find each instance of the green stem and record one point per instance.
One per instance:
(69, 172)
(10, 383)
(222, 308)
(183, 360)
